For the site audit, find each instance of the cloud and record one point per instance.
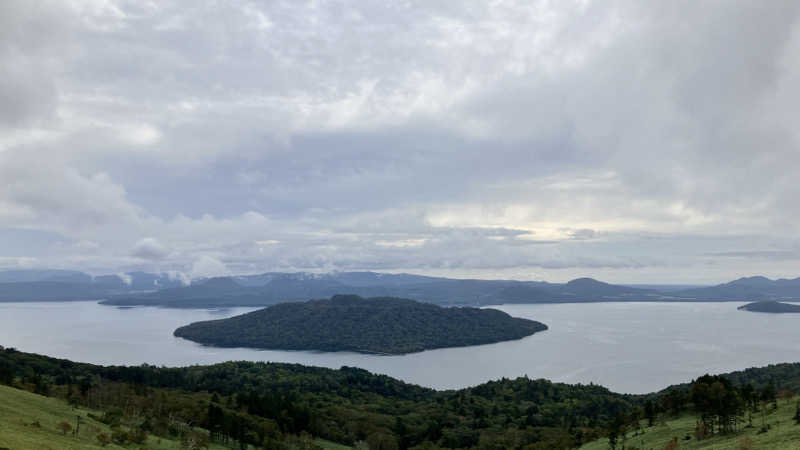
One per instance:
(640, 141)
(127, 279)
(760, 254)
(207, 266)
(149, 248)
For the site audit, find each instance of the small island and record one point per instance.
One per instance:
(383, 325)
(771, 307)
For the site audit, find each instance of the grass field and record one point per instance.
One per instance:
(783, 434)
(28, 422)
(327, 445)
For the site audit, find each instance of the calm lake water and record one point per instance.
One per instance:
(628, 347)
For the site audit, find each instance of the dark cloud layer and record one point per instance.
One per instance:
(628, 140)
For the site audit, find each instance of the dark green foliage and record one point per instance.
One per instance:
(265, 404)
(351, 323)
(650, 412)
(718, 402)
(269, 405)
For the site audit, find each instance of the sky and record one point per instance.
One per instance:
(629, 141)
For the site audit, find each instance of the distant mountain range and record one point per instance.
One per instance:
(745, 289)
(140, 288)
(67, 285)
(272, 288)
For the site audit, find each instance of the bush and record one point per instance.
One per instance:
(119, 436)
(64, 426)
(672, 445)
(137, 436)
(103, 439)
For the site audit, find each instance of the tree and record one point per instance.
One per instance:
(635, 421)
(382, 441)
(650, 412)
(700, 431)
(770, 394)
(614, 431)
(718, 402)
(797, 414)
(64, 426)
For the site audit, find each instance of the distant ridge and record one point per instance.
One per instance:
(140, 288)
(747, 289)
(271, 288)
(68, 285)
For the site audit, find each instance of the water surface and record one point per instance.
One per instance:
(628, 347)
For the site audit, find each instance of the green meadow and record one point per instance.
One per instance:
(782, 433)
(30, 422)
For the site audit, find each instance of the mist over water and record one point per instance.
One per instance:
(627, 347)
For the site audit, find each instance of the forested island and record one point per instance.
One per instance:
(770, 307)
(384, 325)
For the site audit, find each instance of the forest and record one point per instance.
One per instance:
(271, 405)
(368, 325)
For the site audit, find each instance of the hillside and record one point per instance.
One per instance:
(782, 433)
(264, 404)
(351, 323)
(29, 421)
(770, 307)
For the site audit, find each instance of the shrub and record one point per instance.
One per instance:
(103, 439)
(137, 436)
(64, 426)
(119, 436)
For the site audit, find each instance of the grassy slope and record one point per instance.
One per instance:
(328, 445)
(19, 409)
(783, 434)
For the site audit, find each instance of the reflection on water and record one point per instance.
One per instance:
(628, 347)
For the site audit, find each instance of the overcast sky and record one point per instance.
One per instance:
(629, 141)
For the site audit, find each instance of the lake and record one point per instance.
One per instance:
(627, 347)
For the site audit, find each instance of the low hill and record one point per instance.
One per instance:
(770, 307)
(367, 325)
(747, 289)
